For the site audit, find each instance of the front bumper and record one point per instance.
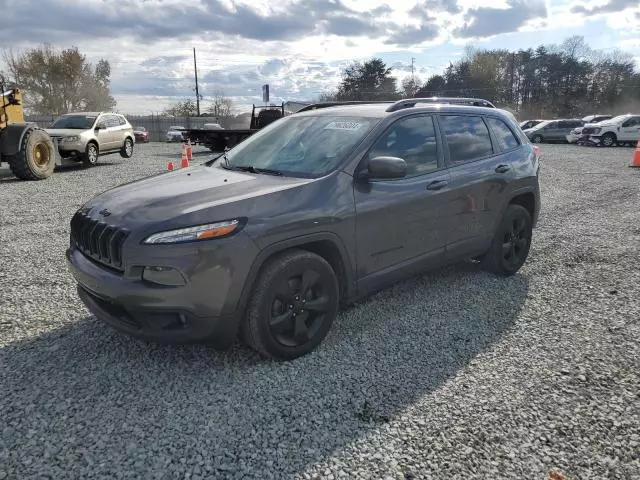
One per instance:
(206, 308)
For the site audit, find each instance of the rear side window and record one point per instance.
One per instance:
(467, 137)
(504, 136)
(122, 121)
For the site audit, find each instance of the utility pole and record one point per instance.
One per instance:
(413, 78)
(195, 68)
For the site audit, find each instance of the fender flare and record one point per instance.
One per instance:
(11, 138)
(275, 248)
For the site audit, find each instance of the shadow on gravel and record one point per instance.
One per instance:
(87, 400)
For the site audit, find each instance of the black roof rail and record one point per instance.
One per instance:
(315, 106)
(411, 102)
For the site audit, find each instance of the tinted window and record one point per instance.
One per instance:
(505, 137)
(467, 137)
(412, 139)
(121, 121)
(632, 122)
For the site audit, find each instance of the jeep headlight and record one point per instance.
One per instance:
(597, 130)
(195, 233)
(72, 138)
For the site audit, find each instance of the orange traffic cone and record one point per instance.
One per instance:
(184, 161)
(170, 166)
(189, 151)
(635, 161)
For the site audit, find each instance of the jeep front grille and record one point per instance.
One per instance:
(98, 240)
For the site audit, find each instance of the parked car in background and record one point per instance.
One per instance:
(88, 135)
(212, 126)
(317, 209)
(529, 124)
(577, 136)
(142, 135)
(623, 129)
(175, 134)
(553, 130)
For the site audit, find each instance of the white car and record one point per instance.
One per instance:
(175, 134)
(576, 135)
(617, 130)
(212, 126)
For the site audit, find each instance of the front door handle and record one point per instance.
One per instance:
(437, 185)
(502, 168)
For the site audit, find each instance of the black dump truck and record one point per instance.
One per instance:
(219, 140)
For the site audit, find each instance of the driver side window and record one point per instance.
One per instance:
(414, 140)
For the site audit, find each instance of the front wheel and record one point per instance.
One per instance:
(35, 159)
(90, 157)
(511, 242)
(608, 139)
(294, 303)
(127, 148)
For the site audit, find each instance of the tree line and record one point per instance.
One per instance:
(566, 80)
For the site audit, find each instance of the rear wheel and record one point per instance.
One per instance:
(511, 242)
(91, 153)
(35, 159)
(294, 304)
(537, 139)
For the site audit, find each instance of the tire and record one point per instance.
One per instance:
(517, 223)
(608, 139)
(91, 154)
(277, 294)
(537, 139)
(36, 158)
(127, 148)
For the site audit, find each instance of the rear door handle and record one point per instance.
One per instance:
(437, 185)
(502, 168)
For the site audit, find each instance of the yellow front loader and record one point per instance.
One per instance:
(27, 149)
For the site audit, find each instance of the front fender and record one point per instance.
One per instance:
(11, 138)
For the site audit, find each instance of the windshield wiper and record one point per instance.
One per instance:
(252, 169)
(224, 157)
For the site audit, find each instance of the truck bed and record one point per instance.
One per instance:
(217, 140)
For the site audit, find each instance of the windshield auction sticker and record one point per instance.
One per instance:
(342, 125)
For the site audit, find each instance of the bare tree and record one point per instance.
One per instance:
(59, 81)
(184, 108)
(221, 106)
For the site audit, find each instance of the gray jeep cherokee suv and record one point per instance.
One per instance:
(314, 211)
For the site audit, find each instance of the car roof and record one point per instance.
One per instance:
(379, 110)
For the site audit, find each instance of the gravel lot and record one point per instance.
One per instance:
(457, 374)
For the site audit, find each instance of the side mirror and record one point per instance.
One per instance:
(385, 168)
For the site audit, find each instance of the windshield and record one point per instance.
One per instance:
(79, 122)
(305, 146)
(619, 118)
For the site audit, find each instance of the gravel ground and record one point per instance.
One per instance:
(457, 374)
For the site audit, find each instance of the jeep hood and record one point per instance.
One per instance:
(184, 192)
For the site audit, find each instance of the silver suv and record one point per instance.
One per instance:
(86, 136)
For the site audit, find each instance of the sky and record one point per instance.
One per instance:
(298, 47)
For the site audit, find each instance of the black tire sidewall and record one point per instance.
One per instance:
(495, 260)
(123, 152)
(87, 158)
(38, 136)
(259, 334)
(611, 136)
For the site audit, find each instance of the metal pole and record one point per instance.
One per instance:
(195, 68)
